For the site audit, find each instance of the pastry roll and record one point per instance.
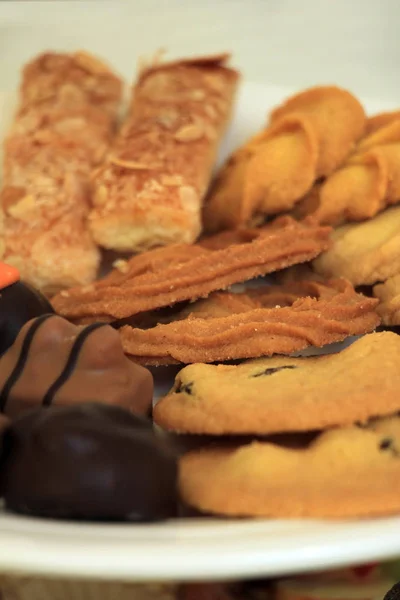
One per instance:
(150, 189)
(63, 126)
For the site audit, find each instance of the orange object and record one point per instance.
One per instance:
(8, 275)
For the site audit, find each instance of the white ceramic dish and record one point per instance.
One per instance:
(190, 549)
(201, 549)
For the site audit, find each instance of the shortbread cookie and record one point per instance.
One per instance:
(247, 254)
(364, 253)
(257, 332)
(389, 295)
(309, 136)
(346, 472)
(281, 394)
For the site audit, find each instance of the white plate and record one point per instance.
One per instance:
(204, 548)
(190, 549)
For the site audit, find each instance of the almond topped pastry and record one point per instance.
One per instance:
(150, 190)
(64, 124)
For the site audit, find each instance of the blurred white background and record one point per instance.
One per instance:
(354, 43)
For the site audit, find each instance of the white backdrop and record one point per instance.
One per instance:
(354, 43)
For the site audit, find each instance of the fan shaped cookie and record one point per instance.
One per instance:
(194, 271)
(346, 472)
(257, 332)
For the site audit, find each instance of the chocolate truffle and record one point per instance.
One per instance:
(92, 462)
(19, 303)
(55, 362)
(4, 423)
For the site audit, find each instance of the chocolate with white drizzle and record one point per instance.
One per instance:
(55, 362)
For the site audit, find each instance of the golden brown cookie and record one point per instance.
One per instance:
(309, 136)
(388, 294)
(223, 304)
(236, 258)
(345, 472)
(367, 183)
(364, 253)
(284, 394)
(337, 118)
(379, 120)
(330, 317)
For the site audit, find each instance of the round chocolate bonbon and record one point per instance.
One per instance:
(19, 303)
(4, 423)
(92, 462)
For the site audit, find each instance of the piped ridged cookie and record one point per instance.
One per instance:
(258, 332)
(194, 271)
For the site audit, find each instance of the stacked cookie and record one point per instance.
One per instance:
(283, 319)
(347, 466)
(321, 158)
(340, 401)
(293, 437)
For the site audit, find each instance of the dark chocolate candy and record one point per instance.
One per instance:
(393, 593)
(19, 303)
(55, 362)
(92, 462)
(4, 423)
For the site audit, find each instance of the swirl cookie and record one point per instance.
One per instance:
(309, 136)
(347, 472)
(367, 183)
(285, 394)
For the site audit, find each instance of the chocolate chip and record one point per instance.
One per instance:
(388, 444)
(273, 370)
(385, 444)
(186, 388)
